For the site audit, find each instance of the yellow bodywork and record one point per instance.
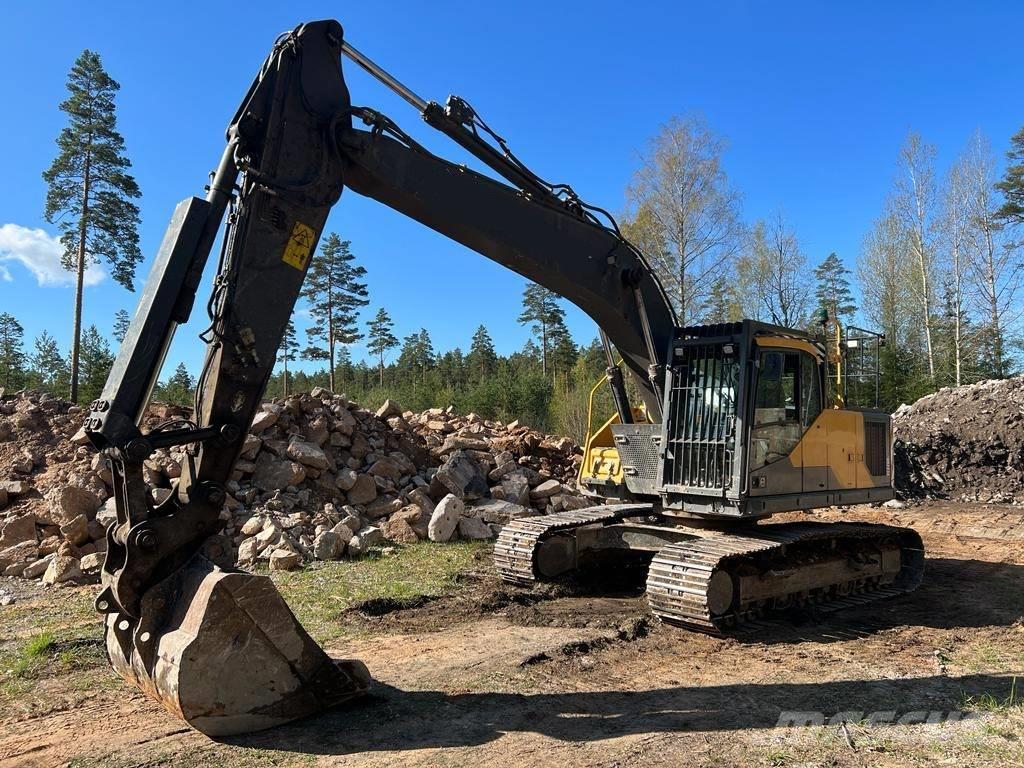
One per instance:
(835, 442)
(600, 458)
(601, 462)
(830, 454)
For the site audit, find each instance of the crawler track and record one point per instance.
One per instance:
(516, 547)
(683, 578)
(680, 575)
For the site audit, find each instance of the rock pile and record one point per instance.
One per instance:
(963, 443)
(318, 478)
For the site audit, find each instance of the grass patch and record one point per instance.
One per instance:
(321, 592)
(39, 645)
(986, 656)
(986, 702)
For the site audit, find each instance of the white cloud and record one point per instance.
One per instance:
(39, 253)
(5, 274)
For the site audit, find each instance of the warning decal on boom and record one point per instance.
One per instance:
(300, 245)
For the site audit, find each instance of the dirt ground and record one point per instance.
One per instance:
(581, 675)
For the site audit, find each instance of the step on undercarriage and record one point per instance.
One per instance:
(714, 581)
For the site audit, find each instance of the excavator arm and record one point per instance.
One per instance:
(217, 646)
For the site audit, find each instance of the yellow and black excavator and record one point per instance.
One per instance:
(733, 423)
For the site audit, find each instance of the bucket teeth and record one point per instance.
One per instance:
(223, 651)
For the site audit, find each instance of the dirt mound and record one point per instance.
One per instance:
(318, 478)
(963, 443)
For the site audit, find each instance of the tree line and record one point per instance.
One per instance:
(939, 273)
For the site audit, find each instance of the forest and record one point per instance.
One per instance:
(938, 275)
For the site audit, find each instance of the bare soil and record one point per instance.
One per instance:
(580, 674)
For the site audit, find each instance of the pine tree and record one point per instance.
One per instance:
(48, 367)
(90, 192)
(1012, 184)
(344, 371)
(286, 354)
(121, 322)
(96, 361)
(335, 295)
(417, 354)
(381, 338)
(720, 304)
(179, 389)
(482, 359)
(564, 351)
(832, 291)
(541, 308)
(12, 356)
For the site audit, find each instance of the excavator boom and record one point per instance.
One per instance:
(217, 646)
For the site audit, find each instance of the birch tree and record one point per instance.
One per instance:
(914, 203)
(773, 275)
(956, 232)
(682, 212)
(996, 272)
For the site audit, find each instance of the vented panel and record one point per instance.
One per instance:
(876, 449)
(702, 418)
(639, 452)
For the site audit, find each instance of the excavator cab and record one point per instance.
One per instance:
(746, 433)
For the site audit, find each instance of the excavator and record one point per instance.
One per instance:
(730, 423)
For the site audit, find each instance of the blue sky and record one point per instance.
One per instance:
(813, 98)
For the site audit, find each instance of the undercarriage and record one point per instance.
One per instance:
(714, 579)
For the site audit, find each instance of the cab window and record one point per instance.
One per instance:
(810, 390)
(787, 399)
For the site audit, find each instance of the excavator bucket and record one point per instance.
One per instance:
(223, 651)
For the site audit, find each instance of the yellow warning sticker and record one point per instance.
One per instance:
(300, 245)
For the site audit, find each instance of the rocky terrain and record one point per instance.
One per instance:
(318, 478)
(963, 443)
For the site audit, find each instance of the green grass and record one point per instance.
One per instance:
(38, 645)
(57, 635)
(987, 702)
(321, 592)
(26, 661)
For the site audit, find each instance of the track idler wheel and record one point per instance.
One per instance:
(223, 651)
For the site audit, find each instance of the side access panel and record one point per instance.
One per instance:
(845, 438)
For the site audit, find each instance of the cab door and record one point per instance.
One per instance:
(814, 445)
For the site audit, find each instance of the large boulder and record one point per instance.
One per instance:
(461, 475)
(24, 552)
(62, 568)
(363, 491)
(273, 473)
(284, 560)
(22, 528)
(545, 490)
(386, 467)
(328, 546)
(308, 454)
(69, 501)
(76, 531)
(15, 487)
(399, 531)
(346, 478)
(362, 541)
(445, 518)
(474, 528)
(389, 409)
(496, 510)
(266, 418)
(107, 514)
